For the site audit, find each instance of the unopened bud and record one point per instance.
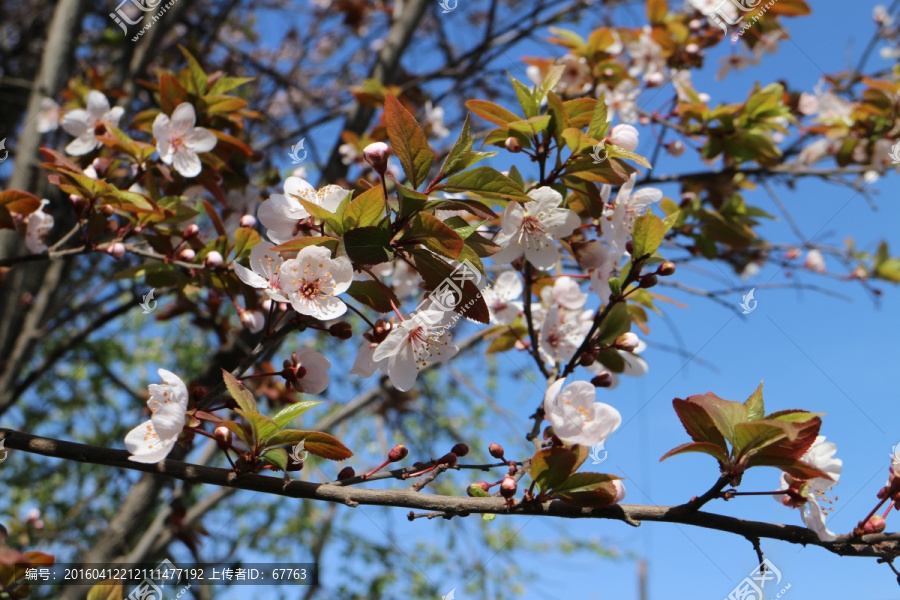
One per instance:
(346, 473)
(666, 269)
(450, 459)
(460, 449)
(675, 148)
(586, 360)
(655, 79)
(191, 231)
(116, 250)
(248, 221)
(624, 136)
(629, 247)
(649, 280)
(508, 487)
(512, 144)
(692, 48)
(496, 450)
(223, 434)
(603, 380)
(187, 255)
(199, 393)
(627, 342)
(875, 524)
(398, 452)
(376, 154)
(341, 330)
(484, 486)
(214, 259)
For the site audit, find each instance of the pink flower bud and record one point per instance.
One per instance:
(692, 48)
(675, 148)
(223, 434)
(376, 154)
(346, 473)
(512, 144)
(460, 449)
(875, 524)
(253, 320)
(248, 221)
(398, 452)
(478, 484)
(627, 342)
(191, 231)
(214, 259)
(624, 136)
(496, 450)
(620, 491)
(655, 79)
(508, 487)
(187, 255)
(116, 250)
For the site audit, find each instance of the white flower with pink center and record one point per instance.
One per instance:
(152, 440)
(576, 418)
(533, 229)
(179, 142)
(265, 274)
(86, 124)
(313, 280)
(418, 342)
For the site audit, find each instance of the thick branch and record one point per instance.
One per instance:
(876, 545)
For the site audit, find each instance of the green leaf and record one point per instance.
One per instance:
(262, 426)
(241, 395)
(368, 245)
(584, 482)
(434, 235)
(552, 466)
(603, 495)
(757, 434)
(724, 414)
(301, 243)
(526, 99)
(491, 112)
(698, 424)
(554, 74)
(316, 442)
(755, 408)
(531, 126)
(599, 125)
(476, 491)
(199, 78)
(287, 414)
(365, 210)
(322, 214)
(226, 84)
(238, 430)
(649, 231)
(717, 452)
(408, 141)
(244, 240)
(486, 182)
(277, 457)
(374, 295)
(488, 517)
(618, 152)
(616, 322)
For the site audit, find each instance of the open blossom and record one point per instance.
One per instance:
(48, 116)
(647, 59)
(86, 124)
(178, 141)
(502, 298)
(576, 417)
(265, 273)
(821, 456)
(617, 223)
(281, 214)
(562, 332)
(308, 371)
(434, 117)
(533, 228)
(313, 280)
(565, 292)
(152, 440)
(416, 343)
(37, 225)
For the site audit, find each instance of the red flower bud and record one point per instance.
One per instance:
(875, 524)
(460, 449)
(666, 269)
(449, 459)
(223, 434)
(648, 280)
(398, 452)
(346, 473)
(602, 380)
(191, 231)
(496, 450)
(341, 330)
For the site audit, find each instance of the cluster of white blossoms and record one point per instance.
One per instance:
(178, 141)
